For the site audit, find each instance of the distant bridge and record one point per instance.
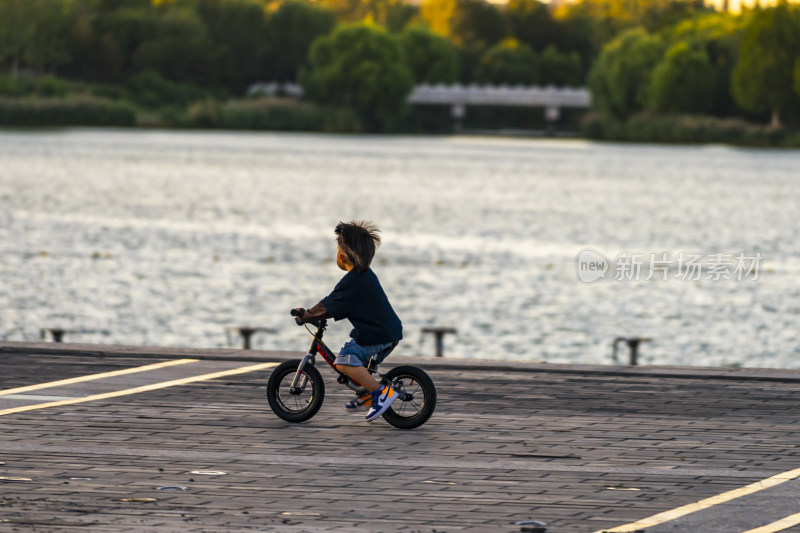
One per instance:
(552, 99)
(458, 97)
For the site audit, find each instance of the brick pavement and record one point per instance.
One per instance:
(581, 449)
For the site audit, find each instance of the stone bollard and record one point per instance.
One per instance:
(246, 333)
(633, 346)
(439, 333)
(56, 333)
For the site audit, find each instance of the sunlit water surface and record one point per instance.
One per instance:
(169, 238)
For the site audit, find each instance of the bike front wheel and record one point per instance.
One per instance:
(417, 397)
(298, 405)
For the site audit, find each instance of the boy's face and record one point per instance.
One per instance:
(341, 259)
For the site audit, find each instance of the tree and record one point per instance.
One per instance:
(33, 33)
(477, 23)
(16, 28)
(620, 78)
(559, 69)
(532, 23)
(468, 23)
(509, 63)
(46, 46)
(797, 76)
(392, 14)
(719, 35)
(683, 82)
(659, 16)
(179, 48)
(91, 59)
(431, 57)
(579, 32)
(239, 32)
(763, 77)
(361, 66)
(107, 53)
(293, 27)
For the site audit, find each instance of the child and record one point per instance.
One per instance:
(359, 298)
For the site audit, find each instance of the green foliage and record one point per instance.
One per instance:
(10, 87)
(293, 27)
(50, 86)
(719, 35)
(396, 15)
(477, 23)
(105, 49)
(646, 127)
(559, 69)
(237, 40)
(178, 47)
(620, 78)
(360, 66)
(797, 76)
(468, 23)
(166, 54)
(683, 82)
(82, 111)
(33, 33)
(432, 58)
(150, 89)
(27, 85)
(510, 63)
(532, 22)
(660, 16)
(272, 114)
(582, 34)
(763, 77)
(392, 14)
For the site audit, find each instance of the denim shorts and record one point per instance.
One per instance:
(353, 354)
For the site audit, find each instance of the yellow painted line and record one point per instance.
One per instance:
(666, 516)
(780, 525)
(91, 377)
(145, 388)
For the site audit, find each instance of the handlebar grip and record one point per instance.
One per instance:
(297, 314)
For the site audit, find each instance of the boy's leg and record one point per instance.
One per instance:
(360, 375)
(351, 361)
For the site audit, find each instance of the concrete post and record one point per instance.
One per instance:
(458, 112)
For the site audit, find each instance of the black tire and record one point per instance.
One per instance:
(414, 412)
(295, 407)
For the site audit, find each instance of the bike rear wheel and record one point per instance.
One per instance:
(417, 401)
(303, 404)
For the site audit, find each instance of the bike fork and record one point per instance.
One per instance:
(296, 387)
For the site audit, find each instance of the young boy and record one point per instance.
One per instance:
(359, 298)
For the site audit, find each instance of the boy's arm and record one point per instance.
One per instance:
(315, 313)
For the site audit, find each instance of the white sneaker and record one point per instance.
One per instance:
(381, 400)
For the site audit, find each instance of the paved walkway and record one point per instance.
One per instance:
(583, 449)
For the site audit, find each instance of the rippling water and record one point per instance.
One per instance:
(168, 238)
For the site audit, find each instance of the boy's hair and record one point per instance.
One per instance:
(358, 240)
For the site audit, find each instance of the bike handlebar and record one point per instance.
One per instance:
(297, 314)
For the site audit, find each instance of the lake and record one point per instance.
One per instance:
(168, 238)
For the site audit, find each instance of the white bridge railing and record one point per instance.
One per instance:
(500, 95)
(456, 94)
(458, 97)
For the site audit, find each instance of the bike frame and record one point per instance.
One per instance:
(319, 347)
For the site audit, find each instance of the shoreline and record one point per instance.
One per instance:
(781, 375)
(511, 135)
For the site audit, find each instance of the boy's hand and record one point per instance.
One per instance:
(310, 315)
(298, 313)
